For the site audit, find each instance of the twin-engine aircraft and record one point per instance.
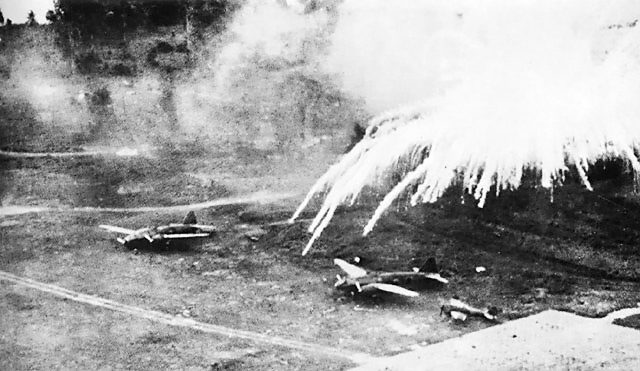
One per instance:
(359, 281)
(188, 229)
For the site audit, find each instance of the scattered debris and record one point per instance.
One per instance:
(251, 232)
(458, 315)
(131, 189)
(460, 310)
(254, 234)
(226, 364)
(216, 273)
(540, 293)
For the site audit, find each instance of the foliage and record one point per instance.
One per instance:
(1, 17)
(164, 47)
(31, 19)
(52, 16)
(101, 97)
(88, 63)
(182, 48)
(94, 17)
(121, 69)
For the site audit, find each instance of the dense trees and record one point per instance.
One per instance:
(51, 16)
(1, 17)
(97, 16)
(31, 19)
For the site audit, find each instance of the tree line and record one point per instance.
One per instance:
(93, 17)
(96, 17)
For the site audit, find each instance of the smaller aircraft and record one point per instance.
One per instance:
(188, 229)
(359, 281)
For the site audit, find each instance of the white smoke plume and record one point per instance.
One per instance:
(485, 91)
(267, 31)
(394, 52)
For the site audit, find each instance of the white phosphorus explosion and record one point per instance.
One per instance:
(543, 85)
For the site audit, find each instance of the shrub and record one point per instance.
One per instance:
(182, 48)
(101, 97)
(121, 69)
(151, 58)
(88, 63)
(163, 47)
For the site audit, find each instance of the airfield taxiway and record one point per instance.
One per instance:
(550, 340)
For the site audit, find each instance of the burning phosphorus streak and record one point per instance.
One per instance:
(467, 113)
(185, 322)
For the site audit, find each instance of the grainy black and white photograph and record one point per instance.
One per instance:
(369, 185)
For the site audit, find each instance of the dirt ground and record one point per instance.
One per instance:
(577, 253)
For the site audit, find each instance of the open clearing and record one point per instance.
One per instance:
(575, 254)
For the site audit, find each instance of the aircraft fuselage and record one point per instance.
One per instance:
(402, 279)
(163, 233)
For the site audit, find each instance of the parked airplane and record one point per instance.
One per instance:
(359, 280)
(188, 229)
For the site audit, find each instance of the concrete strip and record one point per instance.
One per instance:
(168, 319)
(550, 340)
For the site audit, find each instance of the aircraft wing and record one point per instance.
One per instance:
(350, 269)
(185, 235)
(112, 228)
(437, 277)
(393, 289)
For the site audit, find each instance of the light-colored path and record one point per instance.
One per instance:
(185, 322)
(550, 340)
(86, 152)
(51, 154)
(252, 198)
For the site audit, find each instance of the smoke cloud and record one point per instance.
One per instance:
(394, 53)
(261, 84)
(276, 32)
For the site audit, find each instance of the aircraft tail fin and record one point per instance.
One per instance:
(190, 218)
(429, 266)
